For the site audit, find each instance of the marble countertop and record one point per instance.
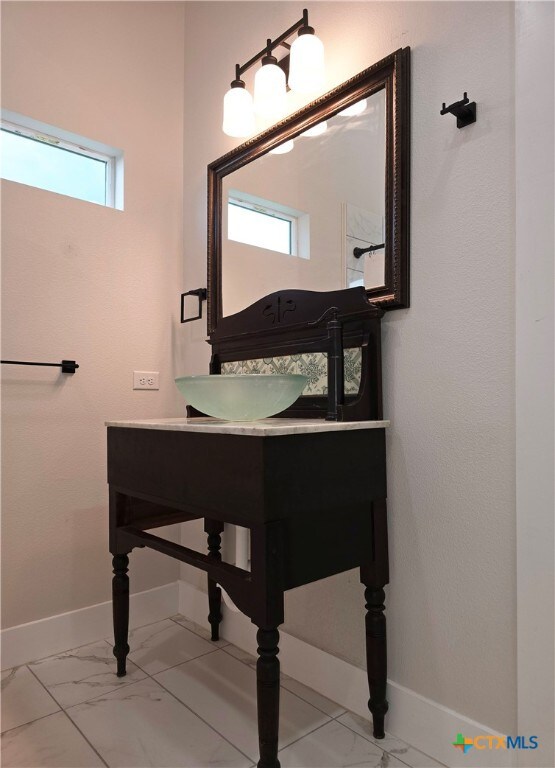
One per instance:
(262, 428)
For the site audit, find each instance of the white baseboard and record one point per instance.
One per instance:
(57, 634)
(423, 723)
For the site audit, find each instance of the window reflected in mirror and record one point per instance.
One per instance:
(294, 218)
(254, 221)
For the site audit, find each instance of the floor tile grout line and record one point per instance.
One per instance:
(64, 708)
(205, 653)
(169, 618)
(91, 745)
(39, 681)
(60, 709)
(118, 687)
(336, 717)
(243, 661)
(311, 704)
(30, 722)
(106, 693)
(179, 663)
(153, 679)
(206, 722)
(316, 728)
(304, 735)
(250, 666)
(150, 623)
(332, 717)
(293, 693)
(175, 621)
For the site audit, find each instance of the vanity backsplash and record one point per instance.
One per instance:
(314, 365)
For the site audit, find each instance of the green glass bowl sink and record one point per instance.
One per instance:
(242, 397)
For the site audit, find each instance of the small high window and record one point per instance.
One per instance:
(49, 158)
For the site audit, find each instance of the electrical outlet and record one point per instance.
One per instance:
(146, 380)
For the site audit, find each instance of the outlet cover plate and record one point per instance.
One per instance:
(146, 380)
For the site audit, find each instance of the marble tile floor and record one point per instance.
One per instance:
(185, 703)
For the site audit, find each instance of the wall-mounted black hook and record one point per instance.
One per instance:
(201, 293)
(464, 111)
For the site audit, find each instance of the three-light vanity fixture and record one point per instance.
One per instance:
(306, 77)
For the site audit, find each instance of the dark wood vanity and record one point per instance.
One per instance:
(289, 480)
(308, 514)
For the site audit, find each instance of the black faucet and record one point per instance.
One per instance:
(336, 387)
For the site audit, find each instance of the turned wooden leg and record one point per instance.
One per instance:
(267, 686)
(214, 528)
(376, 657)
(120, 606)
(374, 574)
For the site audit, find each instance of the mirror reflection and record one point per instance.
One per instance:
(293, 217)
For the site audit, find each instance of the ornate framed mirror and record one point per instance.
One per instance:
(331, 213)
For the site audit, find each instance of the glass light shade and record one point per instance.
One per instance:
(307, 73)
(269, 91)
(316, 130)
(287, 146)
(238, 113)
(355, 109)
(242, 397)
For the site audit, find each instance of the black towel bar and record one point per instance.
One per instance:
(67, 366)
(358, 252)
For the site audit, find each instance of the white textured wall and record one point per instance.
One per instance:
(535, 246)
(86, 282)
(448, 360)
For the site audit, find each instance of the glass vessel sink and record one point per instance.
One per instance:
(242, 397)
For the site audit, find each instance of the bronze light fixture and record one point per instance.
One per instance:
(306, 77)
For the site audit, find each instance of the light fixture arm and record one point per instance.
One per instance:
(271, 44)
(237, 83)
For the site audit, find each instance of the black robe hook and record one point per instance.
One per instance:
(464, 111)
